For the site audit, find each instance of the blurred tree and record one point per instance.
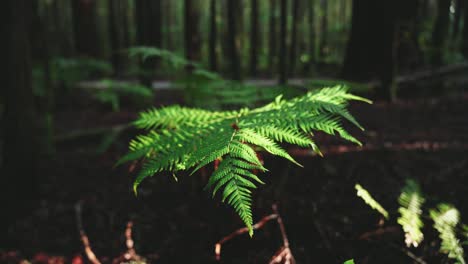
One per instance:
(41, 54)
(149, 33)
(324, 29)
(213, 37)
(254, 37)
(295, 27)
(464, 48)
(312, 35)
(440, 32)
(234, 39)
(118, 28)
(272, 36)
(371, 51)
(19, 144)
(282, 67)
(85, 28)
(459, 4)
(191, 30)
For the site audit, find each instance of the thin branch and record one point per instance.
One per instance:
(129, 241)
(241, 231)
(130, 254)
(284, 254)
(84, 238)
(409, 254)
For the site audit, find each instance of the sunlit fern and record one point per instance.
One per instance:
(411, 201)
(446, 218)
(182, 138)
(369, 200)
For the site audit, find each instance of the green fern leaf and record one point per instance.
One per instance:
(411, 201)
(181, 138)
(368, 199)
(446, 218)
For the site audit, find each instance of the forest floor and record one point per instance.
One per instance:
(177, 222)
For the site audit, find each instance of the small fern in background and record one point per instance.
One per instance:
(208, 90)
(368, 199)
(446, 218)
(182, 138)
(112, 92)
(411, 201)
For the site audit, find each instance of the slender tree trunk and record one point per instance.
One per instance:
(233, 40)
(293, 47)
(149, 22)
(282, 67)
(272, 37)
(191, 30)
(440, 32)
(312, 36)
(371, 50)
(324, 29)
(41, 53)
(459, 4)
(118, 28)
(18, 174)
(113, 16)
(254, 38)
(464, 48)
(85, 28)
(213, 37)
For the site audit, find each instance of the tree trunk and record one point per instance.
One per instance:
(85, 28)
(459, 4)
(118, 34)
(233, 40)
(148, 20)
(282, 67)
(213, 37)
(254, 38)
(324, 30)
(464, 48)
(371, 51)
(191, 30)
(293, 47)
(18, 174)
(272, 36)
(440, 32)
(312, 36)
(41, 54)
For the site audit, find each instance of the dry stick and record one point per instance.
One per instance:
(84, 238)
(409, 254)
(284, 255)
(131, 253)
(241, 231)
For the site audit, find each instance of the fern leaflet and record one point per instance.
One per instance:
(369, 200)
(446, 218)
(411, 201)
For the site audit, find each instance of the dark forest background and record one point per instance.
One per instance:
(70, 87)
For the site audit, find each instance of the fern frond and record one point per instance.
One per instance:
(369, 200)
(411, 201)
(446, 218)
(181, 138)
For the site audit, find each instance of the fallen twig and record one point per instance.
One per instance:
(84, 238)
(283, 255)
(241, 231)
(130, 254)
